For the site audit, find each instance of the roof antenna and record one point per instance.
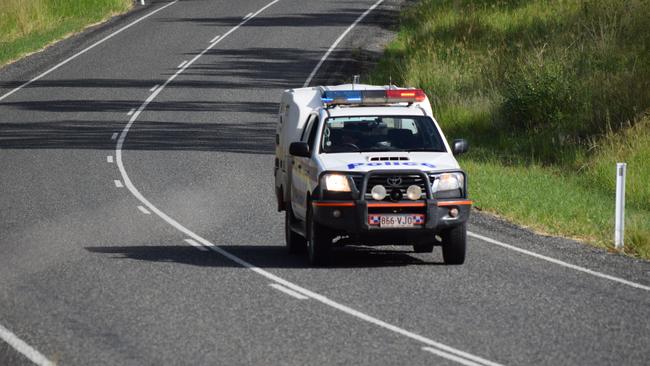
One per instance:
(355, 80)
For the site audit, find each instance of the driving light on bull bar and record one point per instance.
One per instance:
(414, 192)
(378, 192)
(336, 183)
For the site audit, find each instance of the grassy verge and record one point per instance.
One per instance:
(550, 94)
(29, 25)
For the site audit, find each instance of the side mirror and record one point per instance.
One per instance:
(459, 146)
(299, 149)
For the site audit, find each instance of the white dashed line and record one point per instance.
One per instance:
(131, 112)
(154, 88)
(144, 210)
(182, 64)
(215, 38)
(196, 245)
(109, 159)
(6, 335)
(118, 183)
(289, 292)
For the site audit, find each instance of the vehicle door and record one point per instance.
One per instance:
(300, 172)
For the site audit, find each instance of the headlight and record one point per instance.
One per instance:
(336, 183)
(448, 185)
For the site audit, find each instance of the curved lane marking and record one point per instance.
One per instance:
(87, 49)
(444, 350)
(336, 43)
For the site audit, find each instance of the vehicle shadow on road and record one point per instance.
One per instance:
(265, 256)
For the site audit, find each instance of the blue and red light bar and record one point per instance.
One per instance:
(388, 96)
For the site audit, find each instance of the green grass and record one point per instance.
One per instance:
(29, 25)
(550, 94)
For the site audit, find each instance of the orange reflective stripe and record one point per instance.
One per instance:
(454, 203)
(397, 204)
(333, 204)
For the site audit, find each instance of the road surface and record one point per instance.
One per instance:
(138, 220)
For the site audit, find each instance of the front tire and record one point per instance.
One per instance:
(295, 242)
(319, 242)
(454, 244)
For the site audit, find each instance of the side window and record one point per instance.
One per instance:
(312, 134)
(307, 130)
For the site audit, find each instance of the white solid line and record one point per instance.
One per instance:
(109, 159)
(131, 112)
(450, 357)
(182, 64)
(289, 292)
(247, 16)
(197, 245)
(87, 49)
(24, 348)
(154, 88)
(144, 210)
(215, 38)
(114, 136)
(118, 183)
(338, 40)
(559, 262)
(134, 191)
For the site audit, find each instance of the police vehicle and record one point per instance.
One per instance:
(368, 165)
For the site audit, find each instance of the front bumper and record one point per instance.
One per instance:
(351, 217)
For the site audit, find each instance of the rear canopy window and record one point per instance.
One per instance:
(380, 133)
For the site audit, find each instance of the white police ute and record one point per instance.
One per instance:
(368, 165)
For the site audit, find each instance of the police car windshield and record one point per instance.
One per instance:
(380, 133)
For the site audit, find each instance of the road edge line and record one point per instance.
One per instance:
(23, 348)
(559, 262)
(97, 43)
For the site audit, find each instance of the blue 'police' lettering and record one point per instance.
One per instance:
(394, 163)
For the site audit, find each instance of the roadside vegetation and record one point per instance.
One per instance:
(29, 25)
(550, 94)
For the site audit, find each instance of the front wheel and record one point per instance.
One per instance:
(319, 242)
(294, 241)
(454, 244)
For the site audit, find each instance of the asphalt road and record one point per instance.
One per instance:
(104, 180)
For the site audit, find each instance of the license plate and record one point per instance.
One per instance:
(403, 220)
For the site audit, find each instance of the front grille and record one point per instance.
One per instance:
(396, 181)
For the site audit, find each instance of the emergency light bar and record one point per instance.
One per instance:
(331, 97)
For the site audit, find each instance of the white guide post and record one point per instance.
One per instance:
(619, 230)
(141, 2)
